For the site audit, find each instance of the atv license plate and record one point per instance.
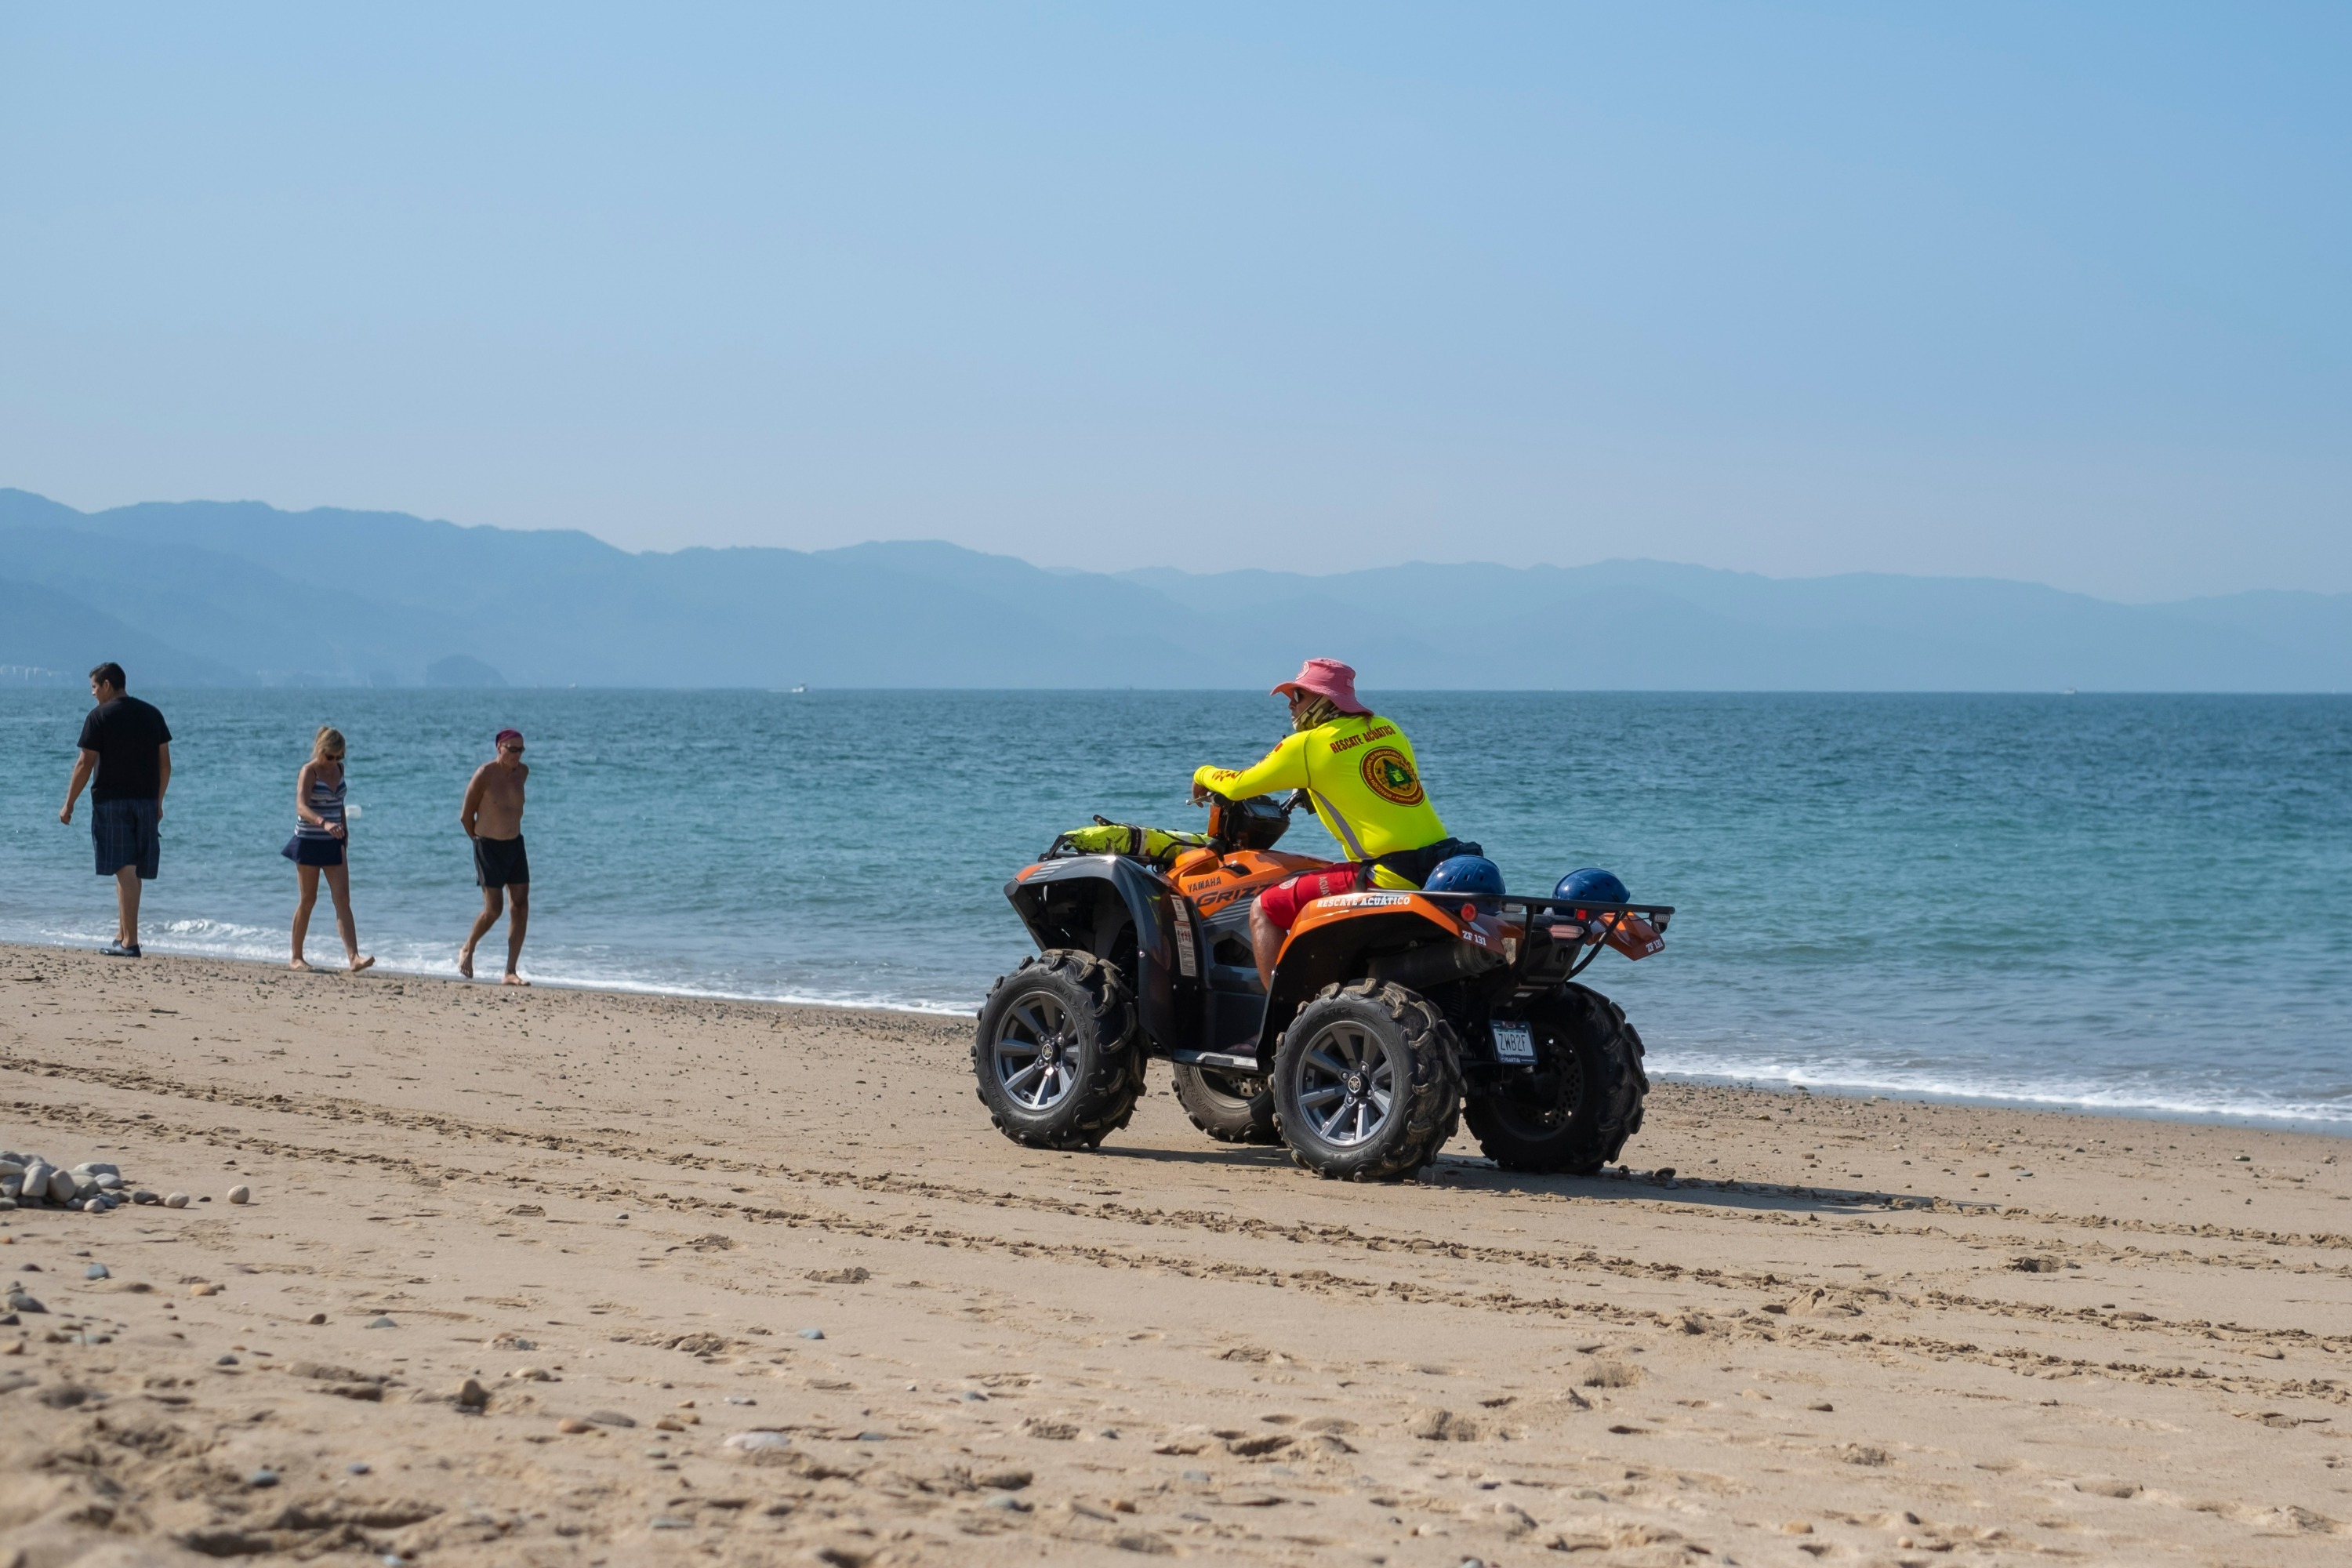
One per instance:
(1514, 1043)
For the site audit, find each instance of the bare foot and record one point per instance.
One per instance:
(513, 979)
(465, 962)
(362, 963)
(299, 964)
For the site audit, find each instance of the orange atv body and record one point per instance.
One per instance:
(1471, 999)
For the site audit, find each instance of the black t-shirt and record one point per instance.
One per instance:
(125, 734)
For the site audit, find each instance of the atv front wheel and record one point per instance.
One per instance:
(1367, 1082)
(1055, 1052)
(1231, 1108)
(1574, 1111)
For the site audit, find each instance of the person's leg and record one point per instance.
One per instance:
(517, 916)
(126, 904)
(306, 883)
(492, 902)
(1265, 944)
(339, 883)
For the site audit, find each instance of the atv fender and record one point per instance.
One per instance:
(1414, 944)
(1085, 901)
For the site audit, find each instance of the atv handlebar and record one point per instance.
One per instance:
(1203, 796)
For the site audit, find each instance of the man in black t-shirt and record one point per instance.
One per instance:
(126, 742)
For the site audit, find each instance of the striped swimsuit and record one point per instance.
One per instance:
(327, 802)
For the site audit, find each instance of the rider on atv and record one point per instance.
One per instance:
(1357, 770)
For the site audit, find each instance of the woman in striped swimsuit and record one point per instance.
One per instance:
(320, 843)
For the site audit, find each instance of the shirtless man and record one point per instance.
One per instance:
(492, 817)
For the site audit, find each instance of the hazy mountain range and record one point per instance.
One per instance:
(226, 593)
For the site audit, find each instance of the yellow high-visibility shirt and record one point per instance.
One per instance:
(1359, 771)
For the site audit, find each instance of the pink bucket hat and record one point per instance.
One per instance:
(1326, 678)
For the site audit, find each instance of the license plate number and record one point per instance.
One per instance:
(1514, 1043)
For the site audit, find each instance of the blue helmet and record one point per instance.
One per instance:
(1592, 882)
(1467, 874)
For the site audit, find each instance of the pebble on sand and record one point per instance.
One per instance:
(176, 1201)
(264, 1477)
(97, 1271)
(358, 1467)
(812, 1333)
(380, 1322)
(240, 1194)
(204, 1287)
(758, 1442)
(315, 1319)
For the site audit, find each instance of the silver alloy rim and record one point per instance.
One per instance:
(1347, 1087)
(1035, 1053)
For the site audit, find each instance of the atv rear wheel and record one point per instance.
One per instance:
(1575, 1110)
(1367, 1082)
(1231, 1108)
(1055, 1052)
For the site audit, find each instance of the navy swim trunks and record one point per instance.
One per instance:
(501, 863)
(127, 833)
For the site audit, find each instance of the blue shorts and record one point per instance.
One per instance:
(127, 833)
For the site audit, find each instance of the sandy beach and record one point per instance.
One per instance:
(522, 1270)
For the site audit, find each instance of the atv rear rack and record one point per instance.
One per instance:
(1601, 922)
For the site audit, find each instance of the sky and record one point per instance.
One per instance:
(2053, 292)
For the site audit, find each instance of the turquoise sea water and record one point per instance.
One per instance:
(2137, 903)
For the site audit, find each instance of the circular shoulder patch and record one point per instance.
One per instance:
(1388, 774)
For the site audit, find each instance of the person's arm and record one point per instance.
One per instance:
(302, 812)
(84, 765)
(162, 776)
(471, 811)
(1285, 767)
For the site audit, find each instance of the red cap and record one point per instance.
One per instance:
(503, 736)
(1326, 678)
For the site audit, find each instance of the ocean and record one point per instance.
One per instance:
(2125, 903)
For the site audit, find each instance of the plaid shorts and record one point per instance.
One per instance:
(127, 833)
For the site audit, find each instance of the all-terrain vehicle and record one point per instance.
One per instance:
(1392, 1015)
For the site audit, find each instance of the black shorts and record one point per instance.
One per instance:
(321, 852)
(501, 862)
(127, 833)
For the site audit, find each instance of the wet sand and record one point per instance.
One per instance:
(1846, 1331)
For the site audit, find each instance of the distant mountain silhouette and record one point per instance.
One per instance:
(214, 592)
(458, 669)
(50, 639)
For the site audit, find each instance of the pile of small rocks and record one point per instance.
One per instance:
(27, 1180)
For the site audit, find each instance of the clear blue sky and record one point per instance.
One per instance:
(2057, 292)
